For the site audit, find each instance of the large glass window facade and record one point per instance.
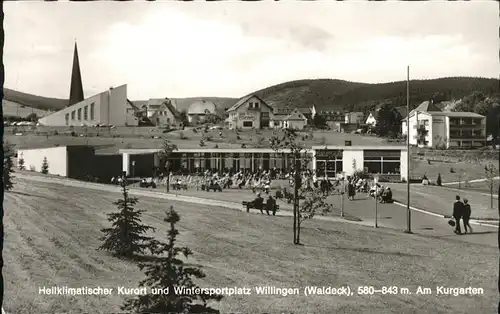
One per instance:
(224, 161)
(382, 162)
(328, 163)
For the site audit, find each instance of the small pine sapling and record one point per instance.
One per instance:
(170, 279)
(45, 166)
(126, 236)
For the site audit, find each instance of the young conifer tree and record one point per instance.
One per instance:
(20, 163)
(8, 169)
(45, 166)
(126, 237)
(171, 275)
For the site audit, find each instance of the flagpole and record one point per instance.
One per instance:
(408, 153)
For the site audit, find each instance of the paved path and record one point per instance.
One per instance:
(439, 200)
(389, 215)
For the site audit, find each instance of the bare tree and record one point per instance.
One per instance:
(166, 155)
(491, 172)
(313, 200)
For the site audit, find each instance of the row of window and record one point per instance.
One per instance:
(253, 105)
(382, 166)
(77, 114)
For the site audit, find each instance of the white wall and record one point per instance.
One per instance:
(118, 105)
(371, 120)
(57, 159)
(347, 161)
(404, 165)
(415, 119)
(59, 118)
(110, 107)
(439, 131)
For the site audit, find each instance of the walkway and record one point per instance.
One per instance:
(389, 215)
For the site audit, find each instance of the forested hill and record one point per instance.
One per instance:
(336, 95)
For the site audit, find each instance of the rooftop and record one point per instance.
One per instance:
(456, 114)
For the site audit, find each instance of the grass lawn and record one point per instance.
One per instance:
(462, 170)
(483, 187)
(128, 137)
(52, 232)
(440, 200)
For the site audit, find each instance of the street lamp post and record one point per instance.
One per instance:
(408, 209)
(376, 201)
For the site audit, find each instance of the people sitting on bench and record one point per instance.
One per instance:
(257, 203)
(386, 196)
(271, 205)
(279, 194)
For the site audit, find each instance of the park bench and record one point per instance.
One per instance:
(249, 205)
(147, 184)
(215, 187)
(177, 186)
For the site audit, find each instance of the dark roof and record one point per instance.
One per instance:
(295, 115)
(244, 100)
(286, 110)
(132, 104)
(427, 106)
(76, 85)
(402, 111)
(140, 103)
(456, 114)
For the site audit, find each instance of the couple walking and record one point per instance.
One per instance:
(461, 211)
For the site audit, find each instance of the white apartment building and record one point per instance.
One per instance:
(446, 129)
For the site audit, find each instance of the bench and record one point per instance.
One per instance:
(249, 205)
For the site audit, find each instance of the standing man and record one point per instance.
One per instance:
(458, 212)
(466, 216)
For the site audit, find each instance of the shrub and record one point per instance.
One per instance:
(45, 166)
(20, 163)
(8, 170)
(182, 136)
(438, 180)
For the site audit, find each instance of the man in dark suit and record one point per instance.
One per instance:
(271, 205)
(458, 213)
(466, 216)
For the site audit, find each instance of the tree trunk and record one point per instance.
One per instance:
(498, 195)
(298, 231)
(491, 194)
(296, 201)
(167, 167)
(168, 181)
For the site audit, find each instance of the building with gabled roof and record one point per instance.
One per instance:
(250, 112)
(294, 120)
(198, 111)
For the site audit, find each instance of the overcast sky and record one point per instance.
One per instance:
(175, 49)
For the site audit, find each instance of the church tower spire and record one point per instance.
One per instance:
(76, 88)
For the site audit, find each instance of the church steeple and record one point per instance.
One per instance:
(76, 88)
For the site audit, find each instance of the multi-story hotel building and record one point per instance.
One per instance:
(446, 129)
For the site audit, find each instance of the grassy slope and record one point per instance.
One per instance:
(39, 102)
(328, 94)
(52, 232)
(14, 109)
(304, 93)
(334, 94)
(142, 138)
